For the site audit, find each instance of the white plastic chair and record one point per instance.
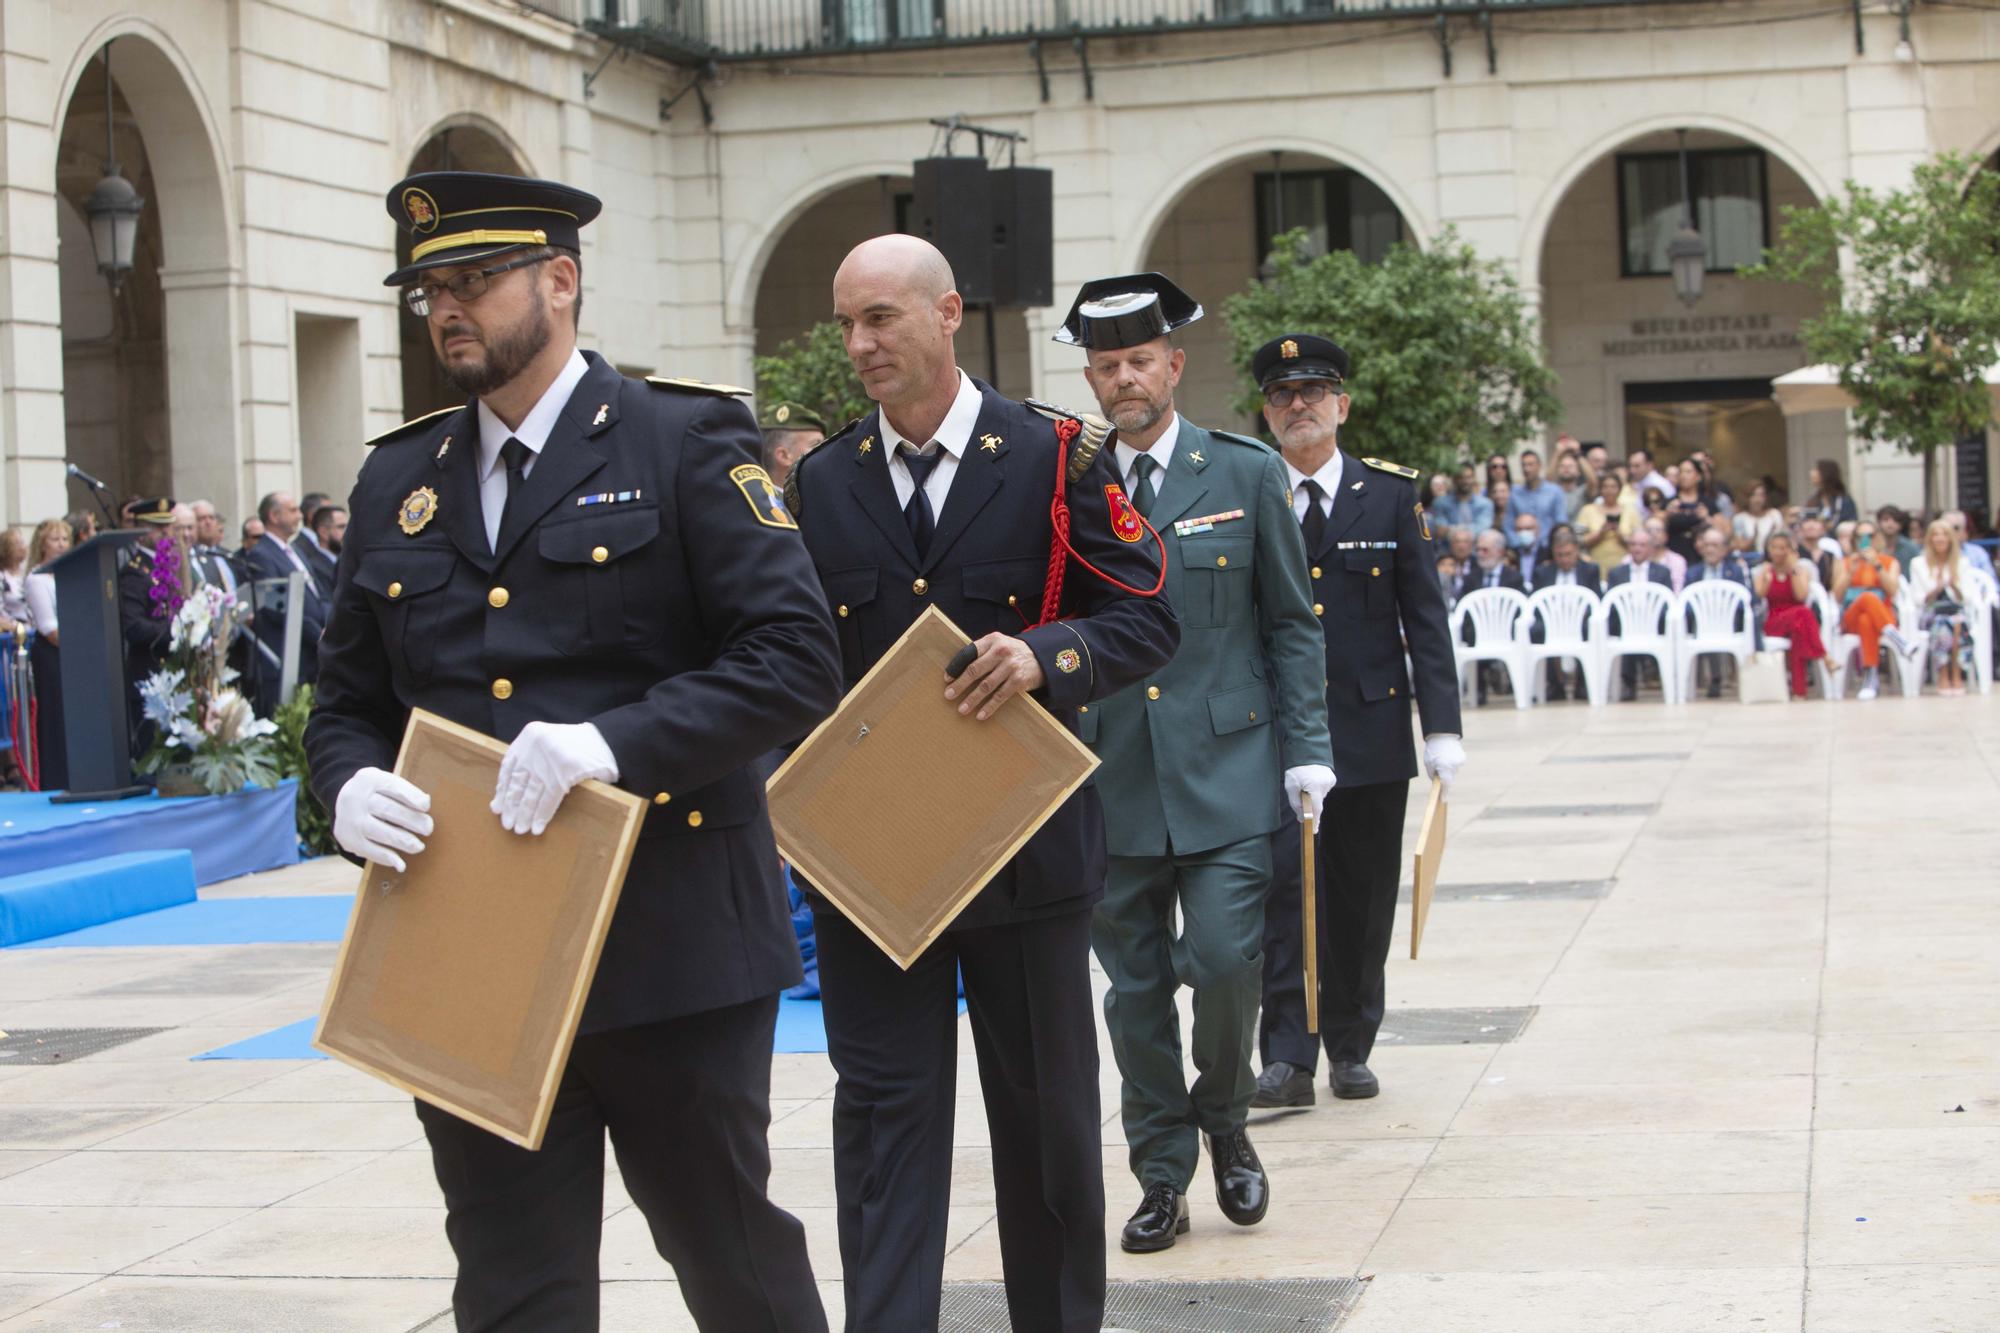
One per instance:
(1714, 606)
(1645, 614)
(1981, 597)
(1839, 644)
(1495, 614)
(1572, 621)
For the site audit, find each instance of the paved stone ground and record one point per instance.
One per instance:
(1761, 1089)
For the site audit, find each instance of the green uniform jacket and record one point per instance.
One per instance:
(1197, 751)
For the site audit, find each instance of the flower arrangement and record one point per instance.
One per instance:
(203, 721)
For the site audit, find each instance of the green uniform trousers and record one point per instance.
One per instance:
(1219, 955)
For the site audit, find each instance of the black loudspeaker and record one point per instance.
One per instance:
(951, 206)
(1023, 236)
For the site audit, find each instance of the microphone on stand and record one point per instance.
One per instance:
(86, 478)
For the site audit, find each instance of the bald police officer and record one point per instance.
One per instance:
(1376, 591)
(597, 570)
(1202, 760)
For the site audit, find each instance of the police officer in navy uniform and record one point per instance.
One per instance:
(942, 497)
(1376, 592)
(596, 570)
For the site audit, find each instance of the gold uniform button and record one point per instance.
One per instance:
(1392, 691)
(920, 587)
(503, 688)
(1012, 600)
(661, 798)
(497, 598)
(395, 591)
(1316, 571)
(1084, 709)
(694, 819)
(1375, 571)
(1152, 691)
(843, 611)
(1253, 717)
(599, 554)
(1319, 608)
(1221, 560)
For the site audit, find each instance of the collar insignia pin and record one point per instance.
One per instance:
(603, 411)
(1355, 487)
(990, 443)
(1196, 457)
(443, 449)
(867, 445)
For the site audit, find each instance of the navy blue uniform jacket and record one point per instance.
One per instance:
(683, 620)
(985, 569)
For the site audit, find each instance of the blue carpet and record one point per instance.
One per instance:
(307, 920)
(293, 1041)
(799, 1029)
(43, 904)
(228, 835)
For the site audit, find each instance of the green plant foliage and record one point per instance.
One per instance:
(817, 373)
(315, 824)
(1447, 363)
(1912, 320)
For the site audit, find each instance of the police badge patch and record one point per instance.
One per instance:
(1125, 524)
(766, 501)
(418, 509)
(1067, 661)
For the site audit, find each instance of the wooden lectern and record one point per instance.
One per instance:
(96, 722)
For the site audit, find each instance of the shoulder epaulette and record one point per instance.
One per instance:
(687, 385)
(1250, 440)
(1393, 469)
(1089, 441)
(794, 500)
(413, 422)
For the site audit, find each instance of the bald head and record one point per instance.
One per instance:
(895, 303)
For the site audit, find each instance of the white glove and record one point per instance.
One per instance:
(378, 814)
(1314, 780)
(1443, 757)
(543, 763)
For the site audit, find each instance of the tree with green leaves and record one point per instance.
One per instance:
(1447, 363)
(814, 371)
(1912, 285)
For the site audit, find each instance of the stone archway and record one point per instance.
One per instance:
(1213, 235)
(1638, 368)
(150, 375)
(459, 144)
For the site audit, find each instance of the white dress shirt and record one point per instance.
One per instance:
(1328, 478)
(533, 431)
(954, 433)
(1161, 452)
(42, 601)
(1565, 578)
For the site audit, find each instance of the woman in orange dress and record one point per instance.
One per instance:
(1784, 585)
(1868, 596)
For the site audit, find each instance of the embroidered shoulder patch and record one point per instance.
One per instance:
(763, 496)
(1125, 524)
(1067, 661)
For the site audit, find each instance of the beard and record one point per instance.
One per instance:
(506, 355)
(1134, 415)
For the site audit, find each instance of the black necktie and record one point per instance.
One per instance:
(1143, 494)
(1314, 522)
(917, 513)
(515, 455)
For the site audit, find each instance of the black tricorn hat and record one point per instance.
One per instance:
(1299, 356)
(1110, 313)
(457, 217)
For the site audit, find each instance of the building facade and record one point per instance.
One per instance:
(741, 146)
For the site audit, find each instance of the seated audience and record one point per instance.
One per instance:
(1574, 479)
(1464, 507)
(1605, 523)
(1526, 544)
(1498, 469)
(1894, 526)
(1867, 595)
(1564, 568)
(1489, 568)
(1639, 567)
(82, 527)
(1714, 560)
(1820, 552)
(1785, 587)
(1688, 512)
(1714, 490)
(51, 539)
(1447, 572)
(1538, 496)
(1458, 544)
(1754, 523)
(1972, 553)
(1677, 566)
(1938, 582)
(1502, 495)
(1829, 499)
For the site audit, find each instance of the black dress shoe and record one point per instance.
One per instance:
(1352, 1081)
(1284, 1084)
(1242, 1190)
(1162, 1215)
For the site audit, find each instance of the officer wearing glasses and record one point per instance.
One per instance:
(1375, 590)
(596, 570)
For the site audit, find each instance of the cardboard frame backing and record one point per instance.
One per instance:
(462, 981)
(1425, 863)
(900, 810)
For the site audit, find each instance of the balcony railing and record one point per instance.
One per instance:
(760, 29)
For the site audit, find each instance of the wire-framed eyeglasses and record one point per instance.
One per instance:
(465, 286)
(1281, 396)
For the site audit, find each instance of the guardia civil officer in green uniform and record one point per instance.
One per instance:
(1375, 588)
(1202, 760)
